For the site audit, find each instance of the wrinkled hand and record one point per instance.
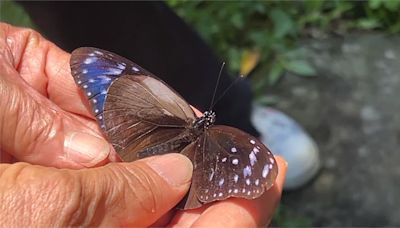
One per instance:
(45, 122)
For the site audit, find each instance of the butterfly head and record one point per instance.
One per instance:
(209, 117)
(205, 121)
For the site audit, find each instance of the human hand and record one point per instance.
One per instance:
(44, 121)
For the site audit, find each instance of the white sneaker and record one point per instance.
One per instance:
(284, 137)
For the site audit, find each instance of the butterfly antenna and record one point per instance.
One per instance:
(216, 86)
(226, 90)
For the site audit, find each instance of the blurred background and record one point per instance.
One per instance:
(331, 65)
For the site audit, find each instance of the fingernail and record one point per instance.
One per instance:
(86, 149)
(176, 169)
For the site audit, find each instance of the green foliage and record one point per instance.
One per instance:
(14, 14)
(285, 218)
(273, 28)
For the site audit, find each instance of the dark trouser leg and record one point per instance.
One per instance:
(150, 34)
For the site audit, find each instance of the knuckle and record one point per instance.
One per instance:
(36, 191)
(44, 127)
(139, 185)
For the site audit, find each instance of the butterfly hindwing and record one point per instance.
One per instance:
(233, 164)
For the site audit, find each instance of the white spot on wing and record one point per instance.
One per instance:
(233, 150)
(235, 161)
(135, 69)
(90, 60)
(256, 150)
(120, 66)
(221, 182)
(252, 141)
(247, 171)
(236, 178)
(220, 194)
(271, 160)
(253, 158)
(257, 182)
(84, 71)
(113, 71)
(224, 159)
(248, 181)
(236, 190)
(265, 171)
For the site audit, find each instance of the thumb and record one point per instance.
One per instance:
(118, 194)
(137, 193)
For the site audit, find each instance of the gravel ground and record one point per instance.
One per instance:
(352, 110)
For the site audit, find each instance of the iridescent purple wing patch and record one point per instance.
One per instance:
(94, 70)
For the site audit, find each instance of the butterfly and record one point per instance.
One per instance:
(142, 116)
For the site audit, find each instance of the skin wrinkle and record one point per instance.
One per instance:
(37, 60)
(11, 101)
(2, 116)
(60, 183)
(21, 49)
(88, 209)
(29, 197)
(40, 123)
(79, 207)
(139, 185)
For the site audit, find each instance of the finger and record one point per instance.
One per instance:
(43, 65)
(119, 194)
(6, 157)
(35, 130)
(236, 212)
(145, 190)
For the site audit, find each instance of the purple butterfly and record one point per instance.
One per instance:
(142, 116)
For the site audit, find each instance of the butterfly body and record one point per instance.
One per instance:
(192, 132)
(142, 116)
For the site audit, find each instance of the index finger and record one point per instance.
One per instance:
(43, 65)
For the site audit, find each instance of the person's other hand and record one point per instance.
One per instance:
(44, 121)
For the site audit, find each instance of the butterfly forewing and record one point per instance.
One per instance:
(141, 111)
(231, 163)
(94, 70)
